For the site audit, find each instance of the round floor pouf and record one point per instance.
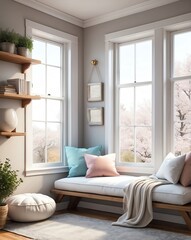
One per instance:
(30, 207)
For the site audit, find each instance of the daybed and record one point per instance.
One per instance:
(94, 176)
(168, 196)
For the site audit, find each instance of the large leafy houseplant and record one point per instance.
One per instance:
(9, 180)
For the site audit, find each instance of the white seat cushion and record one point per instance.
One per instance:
(30, 207)
(113, 186)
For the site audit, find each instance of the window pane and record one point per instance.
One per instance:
(182, 116)
(127, 65)
(38, 110)
(53, 55)
(143, 105)
(135, 102)
(182, 141)
(39, 147)
(53, 81)
(47, 112)
(127, 106)
(53, 142)
(38, 79)
(56, 114)
(127, 144)
(143, 144)
(144, 61)
(39, 50)
(182, 54)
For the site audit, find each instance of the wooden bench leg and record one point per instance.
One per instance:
(73, 203)
(59, 198)
(187, 218)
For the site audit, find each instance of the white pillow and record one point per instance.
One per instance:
(171, 168)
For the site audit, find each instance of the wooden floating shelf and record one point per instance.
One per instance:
(26, 99)
(18, 59)
(12, 134)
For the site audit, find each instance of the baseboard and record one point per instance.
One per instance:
(114, 209)
(101, 207)
(62, 205)
(118, 210)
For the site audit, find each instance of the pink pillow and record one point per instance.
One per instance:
(99, 166)
(185, 178)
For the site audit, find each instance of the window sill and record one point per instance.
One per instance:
(132, 170)
(43, 171)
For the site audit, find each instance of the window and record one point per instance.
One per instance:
(47, 114)
(52, 121)
(181, 82)
(134, 101)
(148, 94)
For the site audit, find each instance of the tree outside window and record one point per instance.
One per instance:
(182, 91)
(135, 101)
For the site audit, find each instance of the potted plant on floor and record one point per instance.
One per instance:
(8, 40)
(9, 181)
(24, 46)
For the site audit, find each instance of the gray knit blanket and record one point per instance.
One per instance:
(137, 202)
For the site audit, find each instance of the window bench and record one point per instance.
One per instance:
(169, 196)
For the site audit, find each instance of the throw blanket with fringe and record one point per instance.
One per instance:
(137, 202)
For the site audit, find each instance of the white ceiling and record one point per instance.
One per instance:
(87, 13)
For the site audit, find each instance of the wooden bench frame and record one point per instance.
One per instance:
(75, 197)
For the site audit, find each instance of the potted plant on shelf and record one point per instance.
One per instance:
(8, 40)
(9, 181)
(24, 46)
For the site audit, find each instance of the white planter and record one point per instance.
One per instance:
(8, 119)
(7, 47)
(23, 51)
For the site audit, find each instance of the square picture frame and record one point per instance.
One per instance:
(95, 116)
(95, 92)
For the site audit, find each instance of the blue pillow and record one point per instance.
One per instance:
(75, 158)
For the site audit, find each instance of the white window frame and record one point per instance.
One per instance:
(70, 60)
(162, 95)
(118, 87)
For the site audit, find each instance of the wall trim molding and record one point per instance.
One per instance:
(150, 4)
(51, 11)
(126, 12)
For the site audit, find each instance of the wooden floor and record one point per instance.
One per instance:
(108, 216)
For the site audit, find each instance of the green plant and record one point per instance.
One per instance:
(9, 36)
(9, 180)
(26, 42)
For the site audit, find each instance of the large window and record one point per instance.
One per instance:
(52, 121)
(181, 81)
(47, 114)
(148, 94)
(134, 91)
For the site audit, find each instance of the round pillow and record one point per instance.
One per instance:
(30, 207)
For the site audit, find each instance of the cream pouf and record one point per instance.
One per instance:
(30, 207)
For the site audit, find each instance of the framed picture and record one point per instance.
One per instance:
(95, 116)
(95, 92)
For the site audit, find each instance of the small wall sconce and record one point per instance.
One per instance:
(94, 62)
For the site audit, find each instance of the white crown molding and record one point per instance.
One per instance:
(51, 11)
(126, 12)
(150, 4)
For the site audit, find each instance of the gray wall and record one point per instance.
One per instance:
(12, 16)
(91, 46)
(94, 47)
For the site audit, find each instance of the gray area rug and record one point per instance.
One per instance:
(69, 226)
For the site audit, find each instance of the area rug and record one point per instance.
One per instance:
(68, 226)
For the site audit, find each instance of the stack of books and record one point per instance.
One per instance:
(19, 84)
(7, 89)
